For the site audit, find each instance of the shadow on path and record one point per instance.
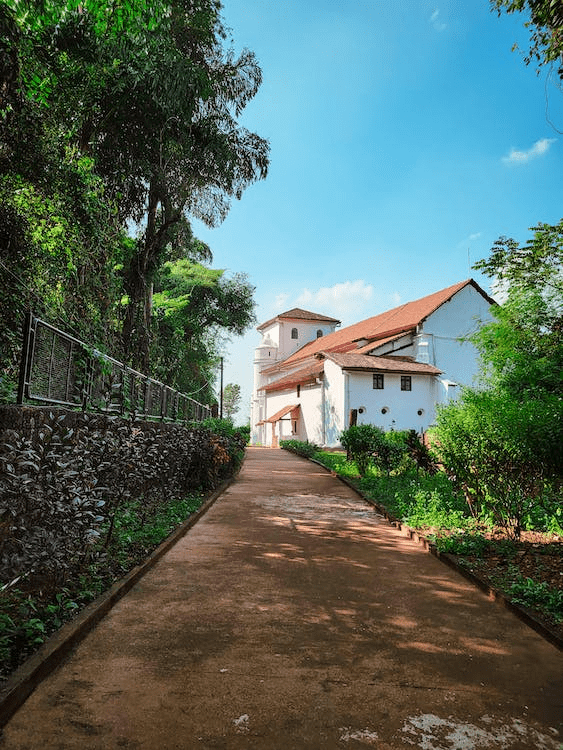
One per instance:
(293, 616)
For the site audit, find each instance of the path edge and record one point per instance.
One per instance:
(34, 670)
(521, 612)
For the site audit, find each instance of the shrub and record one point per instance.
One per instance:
(363, 442)
(301, 448)
(504, 453)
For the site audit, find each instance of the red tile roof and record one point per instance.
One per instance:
(385, 326)
(298, 314)
(300, 377)
(370, 363)
(294, 408)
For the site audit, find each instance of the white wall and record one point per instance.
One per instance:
(402, 407)
(306, 331)
(309, 423)
(456, 319)
(335, 400)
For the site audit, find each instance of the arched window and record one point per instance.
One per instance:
(319, 333)
(294, 334)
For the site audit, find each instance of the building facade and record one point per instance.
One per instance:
(311, 380)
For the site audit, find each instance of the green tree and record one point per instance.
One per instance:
(111, 115)
(231, 400)
(523, 348)
(503, 443)
(545, 24)
(154, 97)
(363, 442)
(195, 309)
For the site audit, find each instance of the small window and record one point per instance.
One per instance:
(295, 428)
(294, 333)
(378, 381)
(406, 383)
(298, 391)
(319, 333)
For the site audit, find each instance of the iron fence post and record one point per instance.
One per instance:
(25, 362)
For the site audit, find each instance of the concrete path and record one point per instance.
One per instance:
(293, 616)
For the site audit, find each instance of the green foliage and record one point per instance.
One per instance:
(369, 446)
(523, 347)
(109, 120)
(421, 500)
(363, 442)
(244, 431)
(505, 454)
(299, 447)
(540, 596)
(338, 463)
(194, 307)
(462, 544)
(503, 445)
(546, 21)
(231, 399)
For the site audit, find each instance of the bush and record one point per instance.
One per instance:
(504, 453)
(301, 448)
(422, 500)
(363, 442)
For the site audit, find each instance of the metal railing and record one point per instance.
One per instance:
(58, 369)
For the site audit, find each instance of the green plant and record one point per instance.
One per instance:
(540, 596)
(301, 448)
(7, 390)
(337, 462)
(462, 544)
(363, 442)
(432, 508)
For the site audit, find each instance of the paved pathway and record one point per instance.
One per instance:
(293, 616)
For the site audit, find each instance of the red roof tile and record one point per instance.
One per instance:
(282, 412)
(369, 363)
(384, 326)
(298, 314)
(300, 377)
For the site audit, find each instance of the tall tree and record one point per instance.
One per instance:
(195, 308)
(156, 101)
(141, 99)
(523, 347)
(503, 441)
(231, 399)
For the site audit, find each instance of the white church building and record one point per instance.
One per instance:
(311, 380)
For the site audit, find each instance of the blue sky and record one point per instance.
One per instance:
(406, 137)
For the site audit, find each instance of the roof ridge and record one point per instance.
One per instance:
(377, 326)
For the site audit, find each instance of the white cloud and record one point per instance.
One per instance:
(280, 301)
(522, 157)
(345, 300)
(469, 239)
(435, 21)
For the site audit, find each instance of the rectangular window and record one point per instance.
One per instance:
(298, 391)
(377, 381)
(406, 383)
